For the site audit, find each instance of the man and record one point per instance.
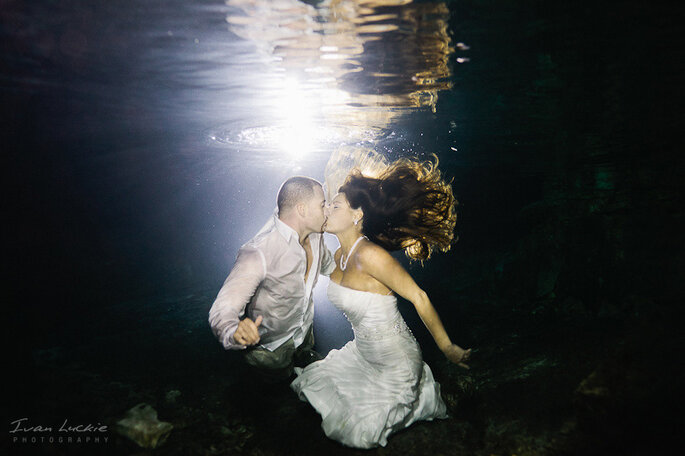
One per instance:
(267, 297)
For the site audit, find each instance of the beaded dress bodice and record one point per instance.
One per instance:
(372, 316)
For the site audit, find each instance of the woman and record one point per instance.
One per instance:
(378, 383)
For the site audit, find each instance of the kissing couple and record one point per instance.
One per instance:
(377, 383)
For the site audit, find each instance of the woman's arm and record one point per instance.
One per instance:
(379, 264)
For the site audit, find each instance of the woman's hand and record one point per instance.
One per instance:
(457, 355)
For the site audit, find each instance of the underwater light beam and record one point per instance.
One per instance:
(298, 139)
(300, 124)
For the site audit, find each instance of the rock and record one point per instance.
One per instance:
(141, 425)
(171, 396)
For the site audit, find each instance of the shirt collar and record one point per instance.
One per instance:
(286, 231)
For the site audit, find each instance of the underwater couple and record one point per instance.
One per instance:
(377, 383)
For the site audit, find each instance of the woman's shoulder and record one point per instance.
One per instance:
(372, 253)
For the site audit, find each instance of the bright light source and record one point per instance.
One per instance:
(298, 130)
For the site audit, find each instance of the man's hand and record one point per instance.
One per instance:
(247, 333)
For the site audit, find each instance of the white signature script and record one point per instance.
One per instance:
(64, 427)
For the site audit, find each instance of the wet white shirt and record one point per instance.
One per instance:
(268, 280)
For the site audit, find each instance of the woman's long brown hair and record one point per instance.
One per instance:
(409, 206)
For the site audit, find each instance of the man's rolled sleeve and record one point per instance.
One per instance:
(229, 307)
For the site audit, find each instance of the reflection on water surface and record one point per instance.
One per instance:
(340, 71)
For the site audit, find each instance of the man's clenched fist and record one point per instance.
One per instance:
(247, 333)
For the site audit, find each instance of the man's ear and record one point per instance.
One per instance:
(301, 209)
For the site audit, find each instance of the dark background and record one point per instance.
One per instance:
(122, 221)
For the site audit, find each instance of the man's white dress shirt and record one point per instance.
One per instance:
(268, 280)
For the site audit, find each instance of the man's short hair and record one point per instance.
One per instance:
(296, 190)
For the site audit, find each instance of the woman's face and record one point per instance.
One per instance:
(340, 216)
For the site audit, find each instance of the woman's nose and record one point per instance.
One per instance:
(327, 210)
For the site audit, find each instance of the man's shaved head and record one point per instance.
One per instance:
(295, 190)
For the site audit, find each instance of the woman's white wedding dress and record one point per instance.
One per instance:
(377, 383)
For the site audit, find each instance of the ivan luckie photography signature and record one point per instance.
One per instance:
(24, 432)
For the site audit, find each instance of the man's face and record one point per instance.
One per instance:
(315, 211)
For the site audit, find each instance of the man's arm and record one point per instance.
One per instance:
(327, 260)
(240, 285)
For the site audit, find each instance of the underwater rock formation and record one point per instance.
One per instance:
(171, 396)
(142, 426)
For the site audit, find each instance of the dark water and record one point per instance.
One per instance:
(144, 142)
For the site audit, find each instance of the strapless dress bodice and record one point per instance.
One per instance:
(373, 316)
